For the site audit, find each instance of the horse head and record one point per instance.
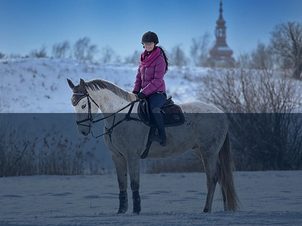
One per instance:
(85, 107)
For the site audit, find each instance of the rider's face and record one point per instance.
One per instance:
(149, 46)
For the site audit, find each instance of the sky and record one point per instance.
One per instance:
(30, 24)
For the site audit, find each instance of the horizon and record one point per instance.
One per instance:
(31, 24)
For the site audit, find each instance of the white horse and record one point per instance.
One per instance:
(205, 131)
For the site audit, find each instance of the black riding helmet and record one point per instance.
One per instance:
(150, 37)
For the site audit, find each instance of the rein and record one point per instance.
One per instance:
(114, 124)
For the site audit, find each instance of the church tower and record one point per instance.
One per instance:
(221, 54)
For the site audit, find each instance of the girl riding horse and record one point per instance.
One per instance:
(149, 83)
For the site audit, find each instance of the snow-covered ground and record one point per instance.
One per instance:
(39, 85)
(267, 198)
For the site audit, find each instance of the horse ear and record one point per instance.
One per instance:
(82, 83)
(71, 85)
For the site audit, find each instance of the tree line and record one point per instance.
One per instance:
(284, 51)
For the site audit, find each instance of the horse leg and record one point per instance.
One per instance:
(133, 165)
(225, 176)
(121, 170)
(225, 207)
(210, 163)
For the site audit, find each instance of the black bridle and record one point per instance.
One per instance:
(93, 121)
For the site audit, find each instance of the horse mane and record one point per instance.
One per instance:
(102, 84)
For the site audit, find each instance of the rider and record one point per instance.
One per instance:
(150, 82)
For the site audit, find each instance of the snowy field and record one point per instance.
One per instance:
(267, 198)
(40, 86)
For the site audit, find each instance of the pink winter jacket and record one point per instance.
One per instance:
(150, 74)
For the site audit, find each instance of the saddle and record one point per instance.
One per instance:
(172, 113)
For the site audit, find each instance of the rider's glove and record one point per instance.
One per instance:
(141, 95)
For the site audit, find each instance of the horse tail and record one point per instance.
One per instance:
(225, 177)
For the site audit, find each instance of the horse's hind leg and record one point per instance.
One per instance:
(224, 199)
(212, 179)
(121, 170)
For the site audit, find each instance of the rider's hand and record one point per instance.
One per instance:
(141, 95)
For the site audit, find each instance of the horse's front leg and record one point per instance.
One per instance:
(121, 170)
(134, 171)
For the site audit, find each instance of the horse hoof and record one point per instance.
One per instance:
(136, 202)
(137, 210)
(206, 210)
(137, 213)
(121, 211)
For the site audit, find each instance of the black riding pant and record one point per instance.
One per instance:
(156, 101)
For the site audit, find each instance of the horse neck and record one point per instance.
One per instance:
(108, 101)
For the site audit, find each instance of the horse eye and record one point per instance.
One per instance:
(83, 106)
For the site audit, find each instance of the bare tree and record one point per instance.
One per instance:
(178, 57)
(243, 60)
(134, 58)
(286, 41)
(83, 50)
(200, 50)
(265, 132)
(39, 53)
(60, 50)
(2, 55)
(251, 91)
(108, 55)
(262, 57)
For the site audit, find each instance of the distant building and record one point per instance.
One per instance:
(221, 55)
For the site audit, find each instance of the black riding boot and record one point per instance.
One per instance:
(159, 121)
